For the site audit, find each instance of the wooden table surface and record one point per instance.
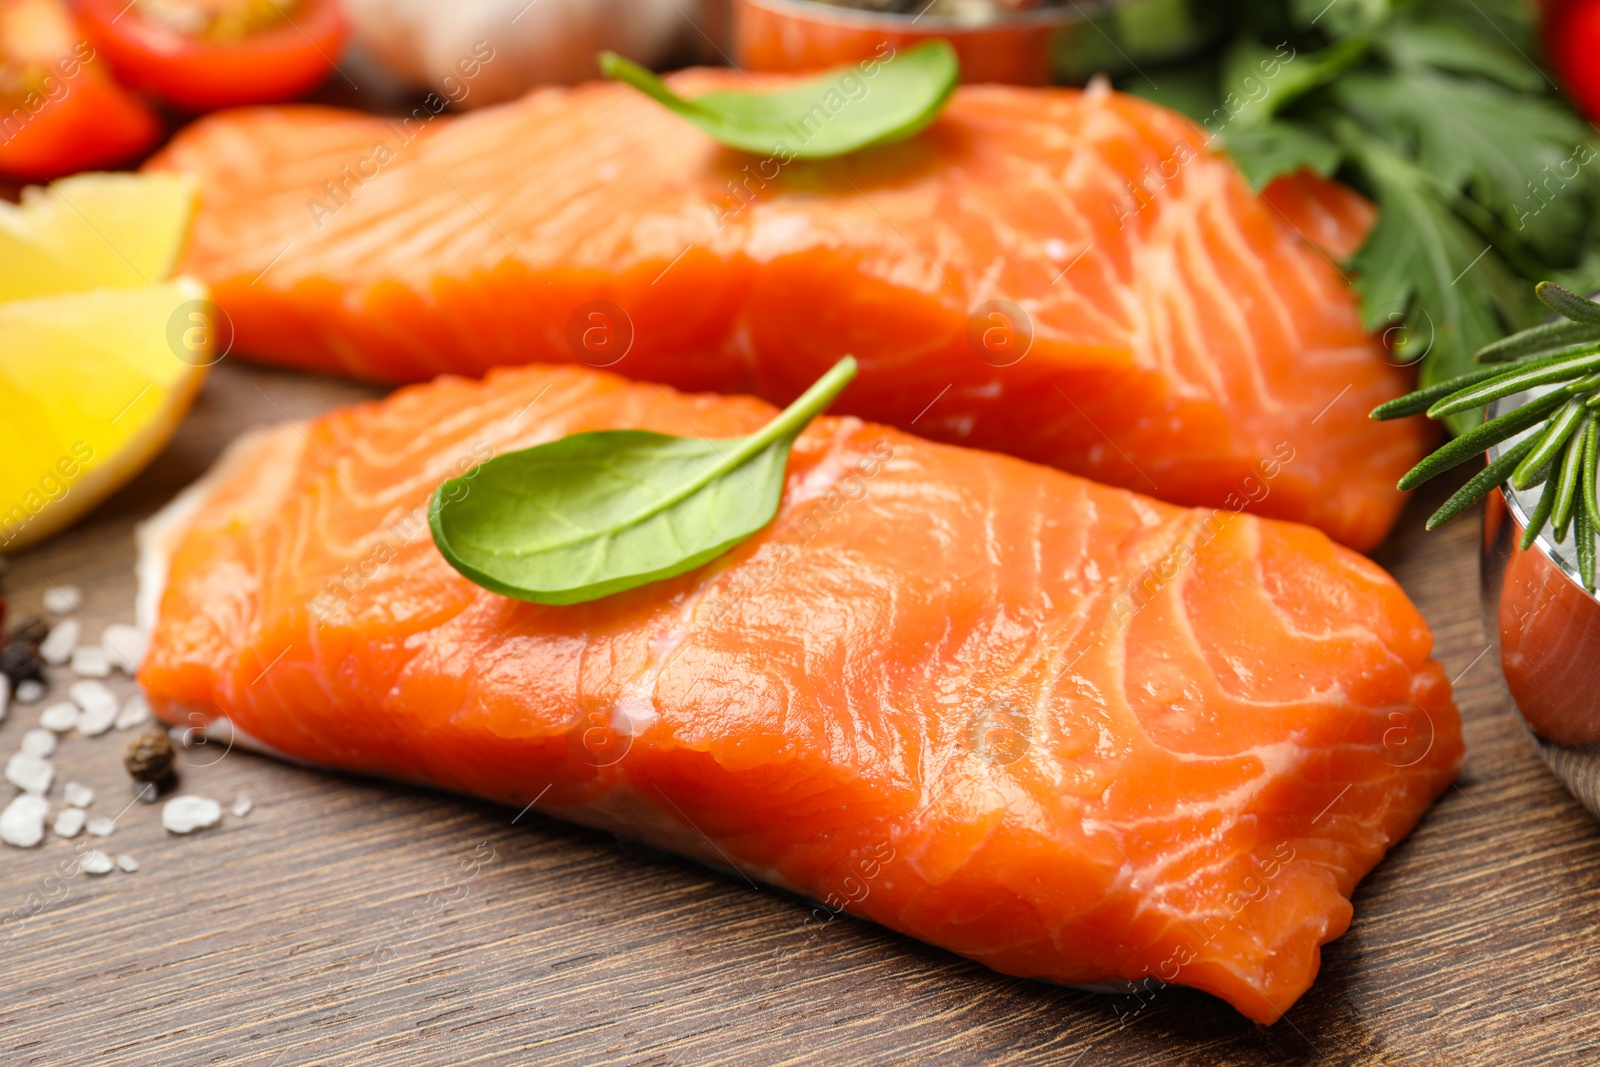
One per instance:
(350, 922)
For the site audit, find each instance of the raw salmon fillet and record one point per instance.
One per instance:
(1181, 325)
(1061, 728)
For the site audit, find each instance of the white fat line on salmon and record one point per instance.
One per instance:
(341, 189)
(825, 491)
(605, 732)
(1199, 532)
(850, 88)
(342, 590)
(1252, 889)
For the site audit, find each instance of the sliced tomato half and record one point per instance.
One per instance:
(60, 109)
(1572, 37)
(203, 54)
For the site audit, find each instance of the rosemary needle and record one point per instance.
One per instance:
(1562, 451)
(1567, 488)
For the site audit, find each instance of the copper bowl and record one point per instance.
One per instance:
(798, 35)
(1545, 627)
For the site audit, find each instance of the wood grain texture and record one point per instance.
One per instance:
(352, 922)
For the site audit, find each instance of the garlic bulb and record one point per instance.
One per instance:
(476, 52)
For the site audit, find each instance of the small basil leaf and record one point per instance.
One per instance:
(820, 117)
(597, 513)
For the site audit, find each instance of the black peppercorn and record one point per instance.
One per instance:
(150, 758)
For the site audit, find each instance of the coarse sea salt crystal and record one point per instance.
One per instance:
(59, 717)
(125, 645)
(91, 661)
(100, 826)
(241, 806)
(41, 743)
(60, 599)
(127, 863)
(134, 713)
(98, 704)
(29, 690)
(96, 862)
(22, 822)
(57, 646)
(79, 795)
(30, 773)
(185, 814)
(69, 823)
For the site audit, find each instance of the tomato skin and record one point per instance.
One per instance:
(194, 74)
(1572, 38)
(92, 123)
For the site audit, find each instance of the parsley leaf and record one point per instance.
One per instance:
(1265, 152)
(1485, 179)
(1425, 267)
(1500, 145)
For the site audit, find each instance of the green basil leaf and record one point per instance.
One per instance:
(597, 513)
(834, 114)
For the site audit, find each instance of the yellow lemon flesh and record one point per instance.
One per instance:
(96, 365)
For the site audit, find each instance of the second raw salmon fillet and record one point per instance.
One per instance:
(1063, 729)
(1174, 326)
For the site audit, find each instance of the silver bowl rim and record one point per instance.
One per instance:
(1059, 15)
(1551, 551)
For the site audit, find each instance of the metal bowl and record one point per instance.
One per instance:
(796, 35)
(1545, 626)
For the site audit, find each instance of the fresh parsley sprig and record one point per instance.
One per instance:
(1485, 180)
(1563, 456)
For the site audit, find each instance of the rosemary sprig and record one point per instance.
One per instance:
(1563, 454)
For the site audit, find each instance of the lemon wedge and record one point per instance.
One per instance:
(99, 353)
(93, 230)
